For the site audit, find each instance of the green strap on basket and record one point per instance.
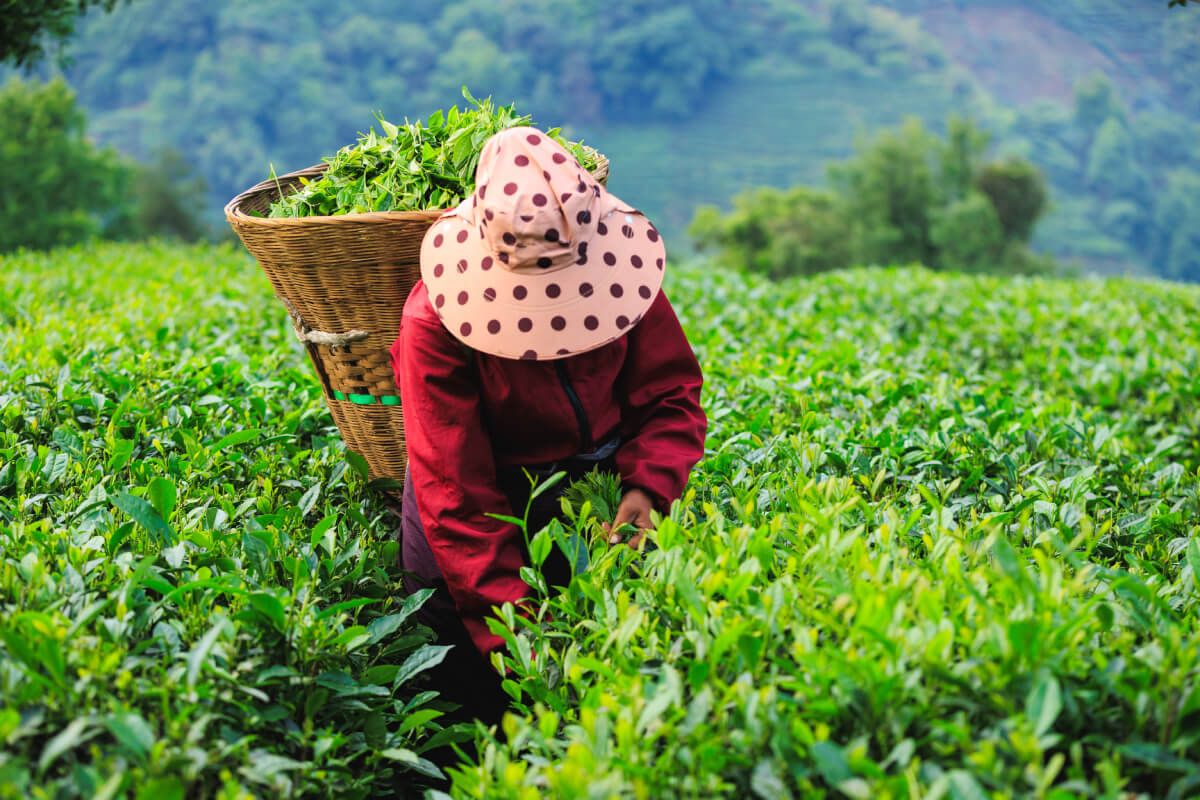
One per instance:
(368, 399)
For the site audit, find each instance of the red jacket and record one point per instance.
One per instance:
(644, 386)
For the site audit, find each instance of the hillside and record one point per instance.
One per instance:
(693, 101)
(943, 540)
(1023, 51)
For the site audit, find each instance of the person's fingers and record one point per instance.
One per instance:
(624, 517)
(620, 529)
(636, 540)
(640, 519)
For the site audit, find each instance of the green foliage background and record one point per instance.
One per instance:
(63, 189)
(905, 195)
(693, 101)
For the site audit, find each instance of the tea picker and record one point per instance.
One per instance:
(533, 338)
(537, 340)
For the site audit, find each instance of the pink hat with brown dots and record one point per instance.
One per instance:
(540, 262)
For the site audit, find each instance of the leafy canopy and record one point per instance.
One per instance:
(63, 189)
(68, 188)
(26, 25)
(905, 196)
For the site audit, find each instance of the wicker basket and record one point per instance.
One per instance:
(344, 280)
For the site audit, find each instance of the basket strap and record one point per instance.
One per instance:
(331, 339)
(309, 336)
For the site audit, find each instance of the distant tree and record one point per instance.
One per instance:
(58, 188)
(777, 232)
(675, 41)
(1180, 34)
(25, 25)
(968, 235)
(476, 61)
(1018, 193)
(1165, 138)
(964, 147)
(1096, 101)
(890, 191)
(166, 199)
(1125, 220)
(1112, 166)
(1177, 218)
(906, 196)
(848, 24)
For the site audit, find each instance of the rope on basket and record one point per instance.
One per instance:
(309, 336)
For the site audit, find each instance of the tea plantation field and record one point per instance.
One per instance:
(945, 543)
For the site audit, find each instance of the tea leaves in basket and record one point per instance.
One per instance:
(413, 166)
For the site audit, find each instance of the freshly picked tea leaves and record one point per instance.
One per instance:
(414, 166)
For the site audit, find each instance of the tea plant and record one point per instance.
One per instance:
(945, 543)
(414, 166)
(197, 595)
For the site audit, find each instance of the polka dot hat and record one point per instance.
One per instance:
(541, 262)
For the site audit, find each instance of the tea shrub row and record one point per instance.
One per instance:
(197, 595)
(944, 543)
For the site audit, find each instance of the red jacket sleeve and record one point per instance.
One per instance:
(662, 421)
(454, 475)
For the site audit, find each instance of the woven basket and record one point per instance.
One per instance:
(344, 280)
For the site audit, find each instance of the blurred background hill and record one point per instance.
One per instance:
(694, 101)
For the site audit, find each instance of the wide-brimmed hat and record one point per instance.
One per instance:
(540, 262)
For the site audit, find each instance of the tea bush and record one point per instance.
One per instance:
(197, 596)
(944, 543)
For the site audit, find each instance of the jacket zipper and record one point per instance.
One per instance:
(585, 428)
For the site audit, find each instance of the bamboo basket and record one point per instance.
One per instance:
(343, 281)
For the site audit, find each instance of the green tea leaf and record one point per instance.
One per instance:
(1008, 560)
(381, 628)
(146, 516)
(235, 438)
(358, 464)
(1043, 704)
(539, 547)
(162, 788)
(1193, 560)
(415, 166)
(70, 737)
(270, 607)
(309, 499)
(831, 763)
(413, 762)
(374, 729)
(418, 719)
(132, 733)
(198, 655)
(122, 450)
(425, 657)
(162, 496)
